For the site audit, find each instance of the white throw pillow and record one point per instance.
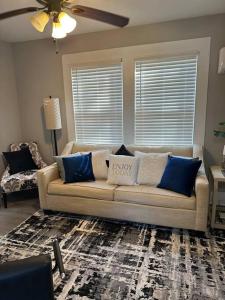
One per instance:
(100, 168)
(151, 167)
(122, 170)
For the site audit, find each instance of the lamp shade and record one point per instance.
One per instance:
(68, 24)
(52, 113)
(40, 20)
(57, 31)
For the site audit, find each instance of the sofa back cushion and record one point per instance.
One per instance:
(175, 150)
(94, 147)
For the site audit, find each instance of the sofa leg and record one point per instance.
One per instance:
(207, 233)
(47, 212)
(4, 199)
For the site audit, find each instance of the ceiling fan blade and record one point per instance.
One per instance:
(43, 2)
(17, 12)
(99, 15)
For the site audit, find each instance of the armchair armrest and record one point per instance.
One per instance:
(44, 176)
(202, 201)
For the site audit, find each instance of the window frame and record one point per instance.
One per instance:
(128, 55)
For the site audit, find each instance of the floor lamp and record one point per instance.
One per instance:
(52, 118)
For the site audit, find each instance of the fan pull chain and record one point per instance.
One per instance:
(55, 41)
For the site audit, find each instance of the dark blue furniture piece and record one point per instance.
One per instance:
(27, 279)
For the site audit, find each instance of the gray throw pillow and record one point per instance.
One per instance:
(59, 160)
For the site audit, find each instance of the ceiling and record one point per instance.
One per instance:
(139, 11)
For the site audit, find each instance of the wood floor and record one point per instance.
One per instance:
(19, 209)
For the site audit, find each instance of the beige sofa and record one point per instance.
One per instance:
(140, 203)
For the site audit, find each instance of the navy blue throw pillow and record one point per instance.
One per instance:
(123, 151)
(20, 161)
(179, 175)
(78, 168)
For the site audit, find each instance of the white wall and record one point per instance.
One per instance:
(10, 129)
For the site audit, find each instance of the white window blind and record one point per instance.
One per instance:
(165, 92)
(98, 104)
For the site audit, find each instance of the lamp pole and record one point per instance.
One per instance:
(55, 142)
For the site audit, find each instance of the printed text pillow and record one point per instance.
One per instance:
(122, 170)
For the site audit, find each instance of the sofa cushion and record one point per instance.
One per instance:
(149, 195)
(26, 180)
(98, 189)
(176, 150)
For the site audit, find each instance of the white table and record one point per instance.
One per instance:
(218, 177)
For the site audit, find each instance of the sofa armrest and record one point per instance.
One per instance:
(202, 201)
(198, 152)
(44, 176)
(68, 148)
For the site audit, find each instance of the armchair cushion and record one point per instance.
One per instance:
(25, 180)
(33, 147)
(19, 161)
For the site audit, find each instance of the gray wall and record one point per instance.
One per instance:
(39, 72)
(10, 130)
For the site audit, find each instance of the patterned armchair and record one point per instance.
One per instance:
(26, 180)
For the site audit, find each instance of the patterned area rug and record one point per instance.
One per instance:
(121, 260)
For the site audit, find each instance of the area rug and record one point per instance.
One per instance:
(107, 259)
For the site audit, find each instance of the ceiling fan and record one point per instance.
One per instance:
(62, 22)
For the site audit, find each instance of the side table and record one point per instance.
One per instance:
(218, 177)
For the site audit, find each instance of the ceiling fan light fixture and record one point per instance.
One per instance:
(57, 31)
(68, 23)
(62, 22)
(40, 20)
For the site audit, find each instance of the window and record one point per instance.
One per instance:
(151, 94)
(98, 104)
(165, 101)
